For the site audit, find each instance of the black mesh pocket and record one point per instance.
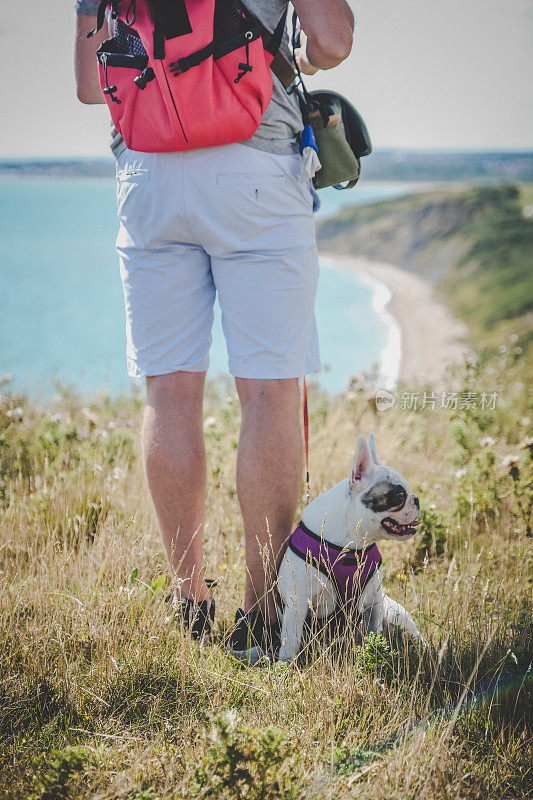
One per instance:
(128, 40)
(230, 19)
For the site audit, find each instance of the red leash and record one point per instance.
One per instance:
(306, 439)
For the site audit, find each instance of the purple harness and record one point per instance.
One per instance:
(350, 570)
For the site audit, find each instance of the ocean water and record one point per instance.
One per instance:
(62, 317)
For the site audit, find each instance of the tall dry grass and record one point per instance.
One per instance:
(102, 698)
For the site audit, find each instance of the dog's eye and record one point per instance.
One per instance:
(397, 498)
(385, 496)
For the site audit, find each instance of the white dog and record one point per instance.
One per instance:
(332, 558)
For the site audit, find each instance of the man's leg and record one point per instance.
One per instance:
(269, 476)
(174, 460)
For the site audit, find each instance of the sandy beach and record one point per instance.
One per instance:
(424, 338)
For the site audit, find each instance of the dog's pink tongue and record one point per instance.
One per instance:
(416, 522)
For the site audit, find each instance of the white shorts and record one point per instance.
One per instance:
(233, 220)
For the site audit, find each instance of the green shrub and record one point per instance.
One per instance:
(53, 777)
(241, 763)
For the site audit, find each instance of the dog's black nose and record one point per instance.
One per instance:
(416, 501)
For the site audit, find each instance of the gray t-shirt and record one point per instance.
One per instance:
(282, 120)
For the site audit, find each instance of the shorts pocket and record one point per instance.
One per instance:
(249, 179)
(134, 174)
(133, 186)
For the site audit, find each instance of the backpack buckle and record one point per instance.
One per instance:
(145, 77)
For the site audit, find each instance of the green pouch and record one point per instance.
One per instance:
(339, 162)
(341, 145)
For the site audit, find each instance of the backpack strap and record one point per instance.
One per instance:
(283, 70)
(185, 63)
(100, 18)
(280, 66)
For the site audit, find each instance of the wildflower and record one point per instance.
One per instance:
(356, 382)
(89, 415)
(487, 441)
(527, 444)
(56, 417)
(118, 473)
(460, 473)
(227, 723)
(210, 422)
(16, 414)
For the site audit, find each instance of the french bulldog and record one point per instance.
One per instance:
(332, 556)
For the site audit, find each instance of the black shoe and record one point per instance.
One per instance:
(197, 618)
(253, 639)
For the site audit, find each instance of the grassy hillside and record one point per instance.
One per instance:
(475, 245)
(100, 697)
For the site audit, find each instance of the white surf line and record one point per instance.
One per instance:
(392, 352)
(389, 370)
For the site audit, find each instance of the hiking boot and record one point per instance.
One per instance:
(253, 638)
(197, 618)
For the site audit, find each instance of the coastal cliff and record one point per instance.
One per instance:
(474, 246)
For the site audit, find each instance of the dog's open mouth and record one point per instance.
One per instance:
(391, 526)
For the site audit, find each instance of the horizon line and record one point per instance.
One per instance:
(379, 149)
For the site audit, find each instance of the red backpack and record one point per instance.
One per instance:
(184, 74)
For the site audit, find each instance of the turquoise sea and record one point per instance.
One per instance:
(62, 316)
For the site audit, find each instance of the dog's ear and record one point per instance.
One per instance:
(373, 450)
(362, 464)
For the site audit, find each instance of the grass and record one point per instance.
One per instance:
(497, 265)
(100, 697)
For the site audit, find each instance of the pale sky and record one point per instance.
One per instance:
(424, 73)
